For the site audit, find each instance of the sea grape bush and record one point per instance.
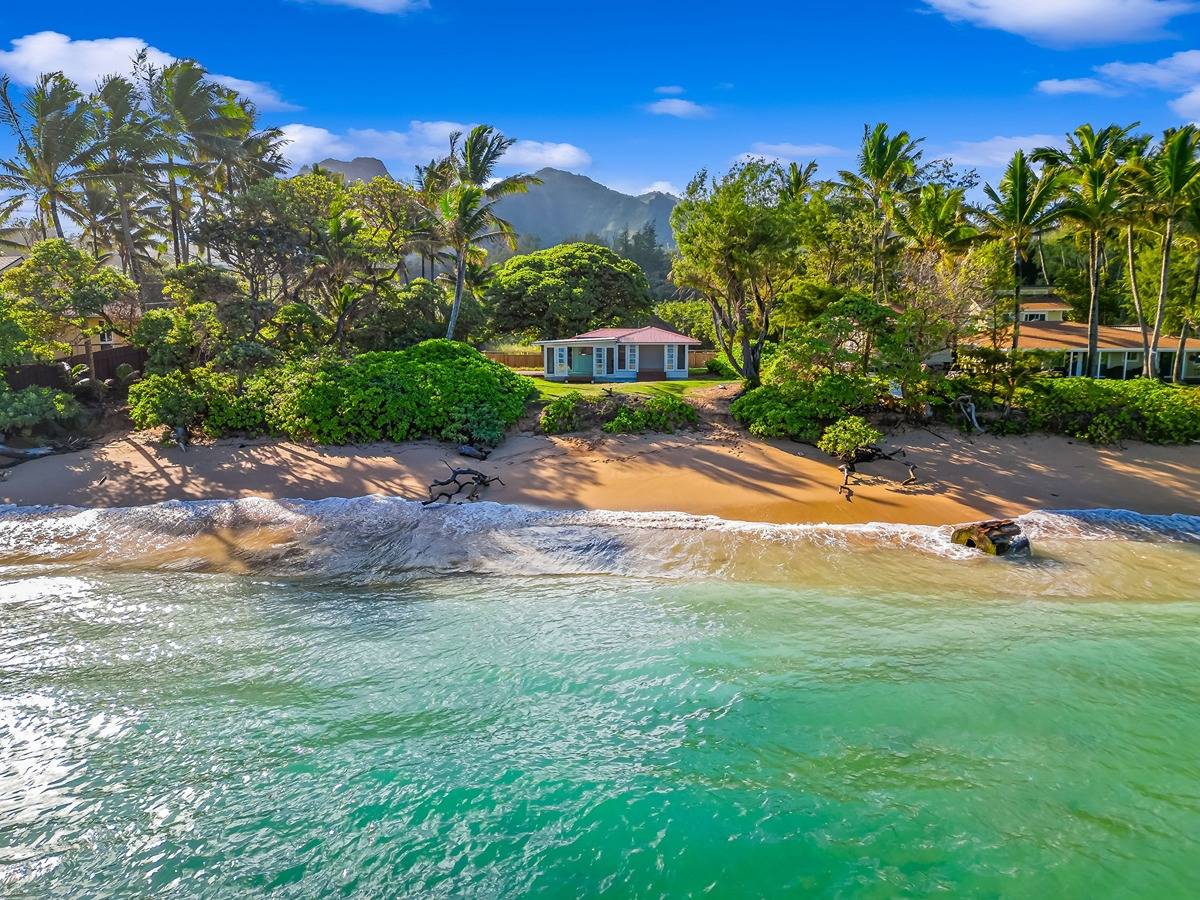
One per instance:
(562, 414)
(661, 413)
(34, 408)
(845, 437)
(1104, 412)
(438, 389)
(801, 409)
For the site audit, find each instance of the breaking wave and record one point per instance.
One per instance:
(385, 539)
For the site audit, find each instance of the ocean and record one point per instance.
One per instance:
(370, 698)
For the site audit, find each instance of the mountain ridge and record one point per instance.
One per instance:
(566, 205)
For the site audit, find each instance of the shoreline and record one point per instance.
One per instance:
(717, 472)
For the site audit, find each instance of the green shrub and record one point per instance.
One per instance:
(801, 409)
(436, 389)
(661, 413)
(845, 437)
(720, 366)
(561, 414)
(33, 408)
(1105, 412)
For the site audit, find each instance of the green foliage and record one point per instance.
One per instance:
(180, 338)
(1105, 411)
(691, 317)
(562, 414)
(566, 290)
(437, 389)
(408, 314)
(661, 413)
(845, 437)
(34, 408)
(801, 409)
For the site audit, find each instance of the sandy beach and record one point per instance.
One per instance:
(717, 471)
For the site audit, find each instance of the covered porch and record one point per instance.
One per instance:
(612, 361)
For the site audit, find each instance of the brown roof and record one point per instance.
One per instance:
(1044, 305)
(1074, 336)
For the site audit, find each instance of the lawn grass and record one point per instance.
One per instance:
(548, 390)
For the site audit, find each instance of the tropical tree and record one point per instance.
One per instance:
(1025, 203)
(127, 142)
(934, 221)
(1094, 176)
(195, 119)
(738, 249)
(1174, 179)
(52, 136)
(887, 167)
(466, 214)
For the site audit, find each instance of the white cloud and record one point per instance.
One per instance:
(680, 109)
(87, 61)
(1188, 106)
(379, 6)
(660, 187)
(536, 154)
(422, 142)
(1069, 22)
(669, 89)
(791, 152)
(997, 151)
(1059, 86)
(1176, 72)
(308, 144)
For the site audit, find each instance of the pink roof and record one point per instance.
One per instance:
(648, 335)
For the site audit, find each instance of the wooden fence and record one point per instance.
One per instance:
(697, 359)
(50, 374)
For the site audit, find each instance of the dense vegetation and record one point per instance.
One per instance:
(309, 307)
(617, 413)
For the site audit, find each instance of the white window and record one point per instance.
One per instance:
(598, 361)
(670, 364)
(1035, 317)
(632, 358)
(106, 339)
(560, 358)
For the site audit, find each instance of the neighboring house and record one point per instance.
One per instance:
(1120, 348)
(10, 260)
(102, 339)
(618, 354)
(1049, 310)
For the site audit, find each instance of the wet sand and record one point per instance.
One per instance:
(719, 472)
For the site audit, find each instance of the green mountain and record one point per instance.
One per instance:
(564, 206)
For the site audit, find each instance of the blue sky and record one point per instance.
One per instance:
(642, 94)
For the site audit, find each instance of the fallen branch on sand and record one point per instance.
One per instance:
(25, 454)
(873, 454)
(472, 481)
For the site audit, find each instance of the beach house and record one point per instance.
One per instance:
(617, 354)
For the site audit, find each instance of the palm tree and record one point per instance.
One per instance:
(51, 131)
(1093, 170)
(127, 142)
(466, 210)
(887, 166)
(797, 181)
(1190, 314)
(1137, 214)
(1173, 175)
(1025, 203)
(192, 113)
(935, 221)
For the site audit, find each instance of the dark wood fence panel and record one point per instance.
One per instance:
(50, 375)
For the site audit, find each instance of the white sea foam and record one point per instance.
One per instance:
(377, 537)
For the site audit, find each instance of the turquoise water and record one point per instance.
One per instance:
(185, 716)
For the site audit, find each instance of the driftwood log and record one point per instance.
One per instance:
(470, 480)
(873, 454)
(473, 452)
(12, 456)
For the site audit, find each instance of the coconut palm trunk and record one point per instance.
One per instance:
(1136, 294)
(1093, 352)
(1016, 328)
(1150, 368)
(460, 272)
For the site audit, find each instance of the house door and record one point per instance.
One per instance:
(670, 358)
(597, 361)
